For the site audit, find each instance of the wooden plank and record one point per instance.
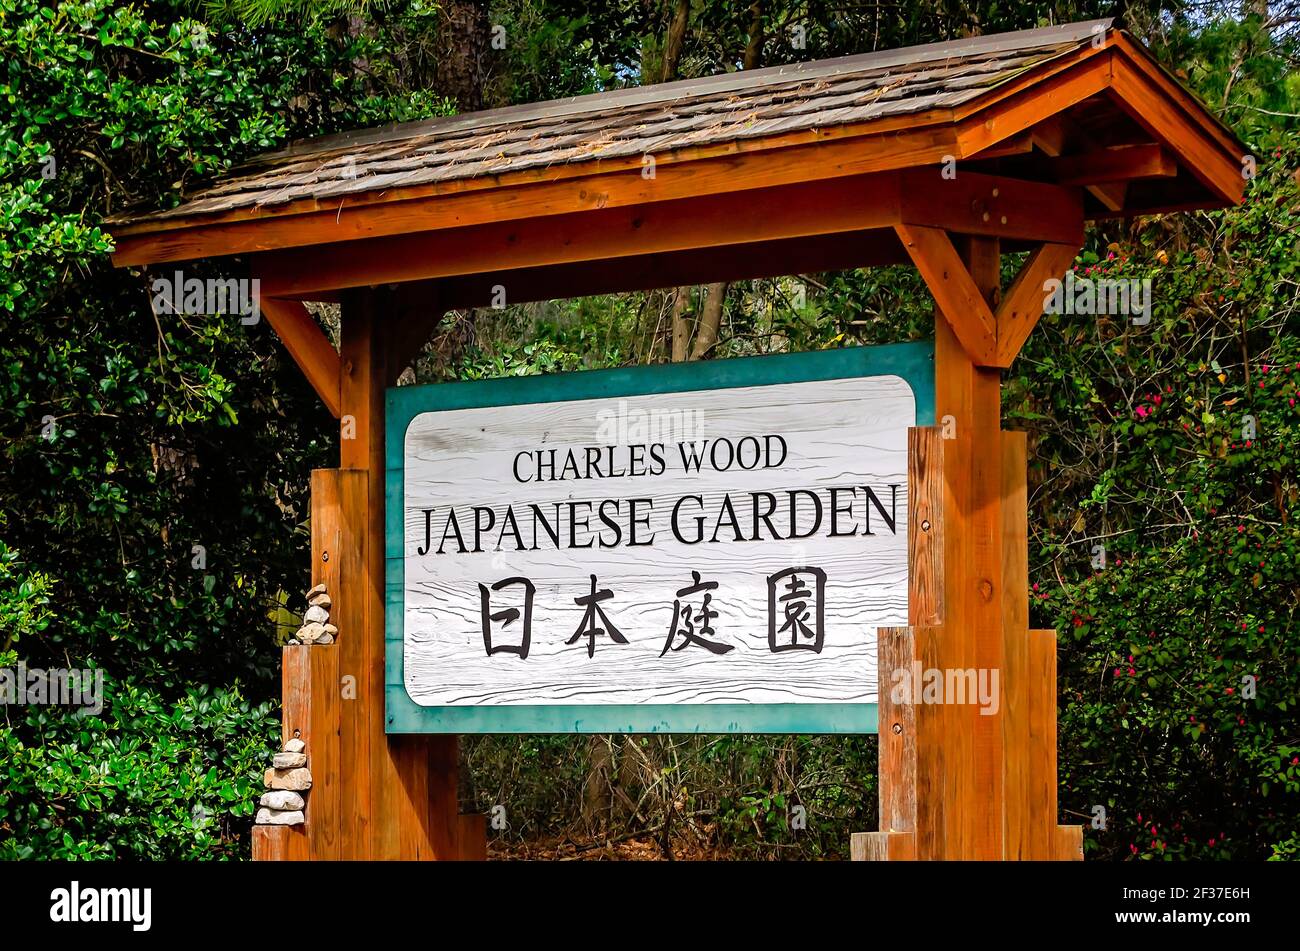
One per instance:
(807, 255)
(897, 732)
(410, 806)
(1140, 97)
(925, 526)
(883, 847)
(308, 346)
(1040, 785)
(338, 547)
(1024, 300)
(295, 720)
(271, 843)
(991, 205)
(1015, 673)
(1069, 844)
(971, 768)
(739, 218)
(995, 123)
(935, 755)
(1117, 163)
(964, 308)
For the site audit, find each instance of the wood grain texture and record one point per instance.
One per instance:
(394, 812)
(925, 539)
(1017, 690)
(338, 553)
(271, 843)
(296, 720)
(897, 756)
(964, 308)
(1023, 303)
(839, 433)
(1040, 787)
(308, 345)
(883, 847)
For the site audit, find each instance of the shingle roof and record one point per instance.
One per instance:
(638, 121)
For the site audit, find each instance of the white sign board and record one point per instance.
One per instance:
(735, 546)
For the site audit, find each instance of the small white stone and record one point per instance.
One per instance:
(294, 642)
(284, 800)
(316, 615)
(321, 600)
(331, 629)
(310, 633)
(325, 639)
(319, 589)
(288, 760)
(276, 817)
(294, 746)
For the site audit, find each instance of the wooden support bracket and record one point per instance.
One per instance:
(1024, 300)
(954, 290)
(308, 346)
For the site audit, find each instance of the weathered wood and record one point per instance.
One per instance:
(1023, 303)
(842, 437)
(925, 526)
(964, 308)
(1069, 844)
(308, 346)
(271, 843)
(883, 847)
(897, 732)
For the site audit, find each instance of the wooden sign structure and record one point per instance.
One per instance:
(744, 523)
(947, 156)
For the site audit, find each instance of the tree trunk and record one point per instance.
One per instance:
(463, 41)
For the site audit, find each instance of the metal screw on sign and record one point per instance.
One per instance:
(898, 729)
(925, 525)
(324, 556)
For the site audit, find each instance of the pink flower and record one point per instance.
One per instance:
(1142, 411)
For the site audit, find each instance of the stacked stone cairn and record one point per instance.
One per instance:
(316, 627)
(286, 782)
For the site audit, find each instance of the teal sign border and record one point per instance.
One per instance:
(914, 362)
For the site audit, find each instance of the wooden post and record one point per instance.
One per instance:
(958, 781)
(400, 795)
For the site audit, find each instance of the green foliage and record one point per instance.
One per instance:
(128, 437)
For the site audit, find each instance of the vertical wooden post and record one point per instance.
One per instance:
(975, 783)
(401, 791)
(968, 404)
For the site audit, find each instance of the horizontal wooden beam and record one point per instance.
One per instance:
(737, 262)
(991, 205)
(308, 346)
(455, 205)
(954, 290)
(1119, 163)
(973, 203)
